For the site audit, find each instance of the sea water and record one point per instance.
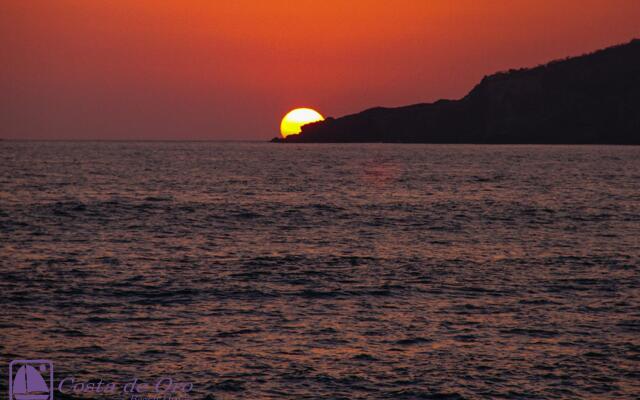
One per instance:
(359, 271)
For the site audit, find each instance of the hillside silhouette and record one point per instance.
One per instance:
(590, 99)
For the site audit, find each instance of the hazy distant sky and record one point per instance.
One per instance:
(231, 69)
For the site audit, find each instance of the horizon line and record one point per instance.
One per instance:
(130, 140)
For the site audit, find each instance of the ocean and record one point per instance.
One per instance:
(319, 271)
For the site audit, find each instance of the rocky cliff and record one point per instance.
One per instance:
(594, 98)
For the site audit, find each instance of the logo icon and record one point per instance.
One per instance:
(31, 380)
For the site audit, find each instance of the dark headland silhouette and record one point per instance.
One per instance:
(590, 99)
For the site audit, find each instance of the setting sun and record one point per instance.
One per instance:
(293, 121)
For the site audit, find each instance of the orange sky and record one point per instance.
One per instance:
(183, 69)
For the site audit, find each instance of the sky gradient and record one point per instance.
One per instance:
(232, 69)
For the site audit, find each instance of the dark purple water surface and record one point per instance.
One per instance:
(262, 271)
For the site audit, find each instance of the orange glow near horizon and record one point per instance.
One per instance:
(195, 69)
